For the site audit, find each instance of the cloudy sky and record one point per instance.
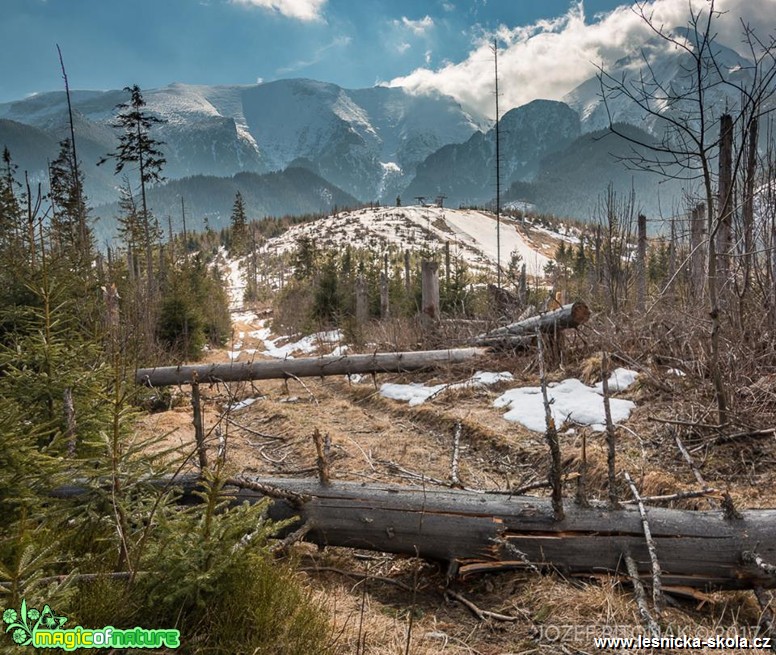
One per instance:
(547, 47)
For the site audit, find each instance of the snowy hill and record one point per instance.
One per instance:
(471, 234)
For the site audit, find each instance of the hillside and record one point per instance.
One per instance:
(471, 235)
(209, 200)
(466, 173)
(574, 181)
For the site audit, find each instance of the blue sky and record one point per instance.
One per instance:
(549, 45)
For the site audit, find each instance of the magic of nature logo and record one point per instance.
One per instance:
(29, 626)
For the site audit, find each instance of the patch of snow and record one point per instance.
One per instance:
(242, 404)
(306, 345)
(416, 393)
(571, 400)
(620, 380)
(246, 317)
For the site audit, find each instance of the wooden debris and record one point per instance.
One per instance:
(305, 367)
(523, 333)
(698, 549)
(657, 594)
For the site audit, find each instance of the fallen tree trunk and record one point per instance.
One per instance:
(484, 532)
(306, 367)
(523, 332)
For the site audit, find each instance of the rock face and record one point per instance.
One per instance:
(466, 172)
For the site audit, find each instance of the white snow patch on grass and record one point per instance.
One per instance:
(305, 345)
(417, 393)
(242, 404)
(620, 380)
(571, 400)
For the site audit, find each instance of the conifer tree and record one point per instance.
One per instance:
(138, 147)
(239, 225)
(69, 222)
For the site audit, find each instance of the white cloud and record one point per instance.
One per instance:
(304, 10)
(417, 27)
(317, 57)
(551, 57)
(403, 47)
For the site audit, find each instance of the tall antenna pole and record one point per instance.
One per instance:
(498, 175)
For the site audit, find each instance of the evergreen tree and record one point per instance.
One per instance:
(239, 241)
(138, 147)
(10, 210)
(70, 230)
(305, 258)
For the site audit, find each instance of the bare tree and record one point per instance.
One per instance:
(687, 116)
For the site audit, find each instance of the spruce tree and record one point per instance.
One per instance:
(138, 147)
(239, 219)
(70, 230)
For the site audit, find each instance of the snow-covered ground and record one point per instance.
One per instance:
(481, 231)
(416, 393)
(472, 234)
(571, 400)
(235, 280)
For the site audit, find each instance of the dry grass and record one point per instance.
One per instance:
(378, 440)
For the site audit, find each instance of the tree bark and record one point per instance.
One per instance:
(430, 291)
(641, 262)
(483, 532)
(307, 367)
(524, 332)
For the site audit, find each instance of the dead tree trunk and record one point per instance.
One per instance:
(385, 307)
(641, 262)
(362, 300)
(725, 198)
(697, 249)
(483, 532)
(523, 333)
(407, 280)
(430, 291)
(306, 367)
(747, 212)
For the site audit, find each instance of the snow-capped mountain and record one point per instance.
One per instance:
(675, 69)
(365, 141)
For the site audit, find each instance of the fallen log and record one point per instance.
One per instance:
(482, 532)
(523, 332)
(305, 367)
